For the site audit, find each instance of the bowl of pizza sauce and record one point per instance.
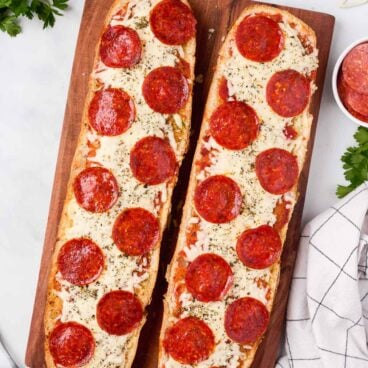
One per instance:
(350, 82)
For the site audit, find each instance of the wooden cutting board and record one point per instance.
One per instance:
(215, 17)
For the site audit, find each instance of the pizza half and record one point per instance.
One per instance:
(134, 134)
(242, 192)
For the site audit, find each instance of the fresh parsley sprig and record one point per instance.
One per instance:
(45, 10)
(355, 161)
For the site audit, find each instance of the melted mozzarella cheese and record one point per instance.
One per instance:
(155, 54)
(247, 81)
(121, 271)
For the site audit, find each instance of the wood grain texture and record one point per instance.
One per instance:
(218, 15)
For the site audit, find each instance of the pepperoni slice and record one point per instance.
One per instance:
(353, 99)
(111, 112)
(120, 47)
(234, 125)
(218, 199)
(80, 261)
(153, 161)
(288, 93)
(246, 320)
(165, 90)
(119, 312)
(172, 22)
(71, 345)
(277, 170)
(259, 248)
(209, 277)
(189, 341)
(355, 68)
(136, 231)
(96, 189)
(357, 115)
(342, 89)
(259, 38)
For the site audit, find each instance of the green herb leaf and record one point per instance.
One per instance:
(5, 3)
(60, 4)
(19, 7)
(10, 26)
(361, 136)
(342, 191)
(45, 10)
(355, 161)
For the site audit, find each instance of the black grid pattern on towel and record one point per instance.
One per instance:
(348, 360)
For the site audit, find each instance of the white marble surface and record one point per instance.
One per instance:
(35, 70)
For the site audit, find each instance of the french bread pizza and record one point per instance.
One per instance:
(242, 192)
(134, 134)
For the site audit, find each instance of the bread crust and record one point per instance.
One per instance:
(54, 305)
(212, 102)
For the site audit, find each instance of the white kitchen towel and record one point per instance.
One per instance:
(4, 359)
(327, 316)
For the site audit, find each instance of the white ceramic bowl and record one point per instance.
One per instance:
(334, 82)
